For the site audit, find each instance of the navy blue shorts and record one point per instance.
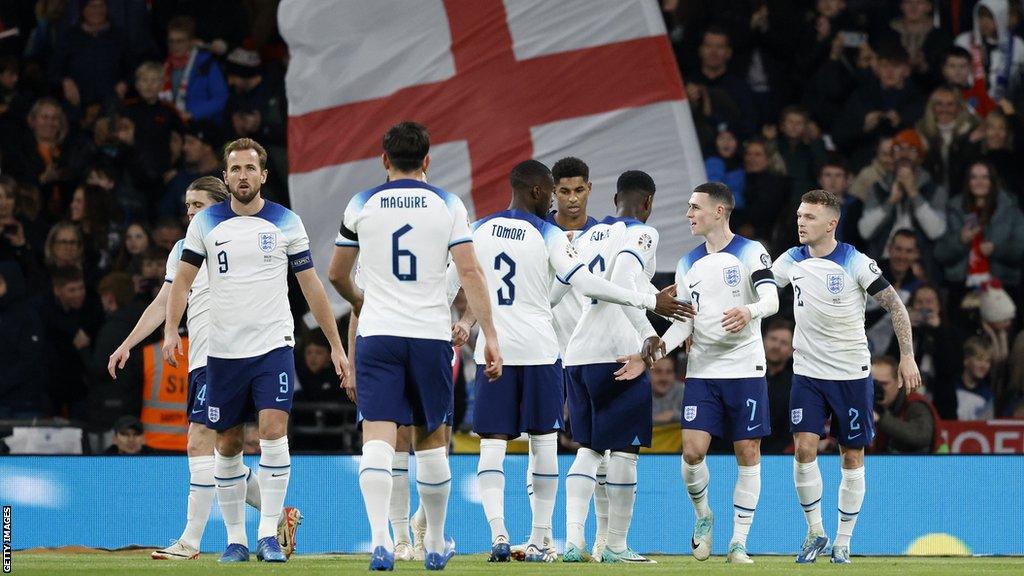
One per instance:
(607, 414)
(236, 387)
(730, 408)
(849, 403)
(524, 399)
(197, 396)
(407, 381)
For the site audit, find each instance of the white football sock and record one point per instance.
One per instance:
(434, 482)
(696, 478)
(621, 487)
(490, 479)
(201, 491)
(851, 496)
(579, 487)
(252, 489)
(744, 501)
(275, 470)
(544, 454)
(398, 513)
(807, 479)
(601, 498)
(229, 474)
(375, 483)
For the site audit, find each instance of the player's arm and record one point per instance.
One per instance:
(353, 329)
(177, 299)
(735, 319)
(151, 319)
(663, 303)
(475, 286)
(340, 275)
(890, 301)
(316, 297)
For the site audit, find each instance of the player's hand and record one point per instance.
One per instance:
(652, 350)
(667, 305)
(172, 348)
(910, 376)
(344, 371)
(493, 360)
(460, 333)
(632, 367)
(735, 319)
(117, 360)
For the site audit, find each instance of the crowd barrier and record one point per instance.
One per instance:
(915, 504)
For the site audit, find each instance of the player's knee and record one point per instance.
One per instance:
(853, 458)
(805, 451)
(693, 455)
(748, 452)
(200, 440)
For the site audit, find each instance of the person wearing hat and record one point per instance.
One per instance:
(906, 199)
(201, 157)
(128, 438)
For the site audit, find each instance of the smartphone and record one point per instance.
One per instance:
(853, 39)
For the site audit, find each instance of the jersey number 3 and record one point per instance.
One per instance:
(506, 298)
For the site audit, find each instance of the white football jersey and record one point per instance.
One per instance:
(828, 304)
(404, 230)
(715, 283)
(569, 309)
(521, 256)
(604, 332)
(248, 258)
(198, 320)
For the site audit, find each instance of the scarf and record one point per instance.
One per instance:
(167, 93)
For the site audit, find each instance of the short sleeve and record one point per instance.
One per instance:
(298, 240)
(460, 222)
(759, 263)
(173, 258)
(347, 234)
(562, 255)
(866, 273)
(194, 248)
(780, 269)
(682, 268)
(642, 242)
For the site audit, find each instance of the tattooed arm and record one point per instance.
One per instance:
(889, 300)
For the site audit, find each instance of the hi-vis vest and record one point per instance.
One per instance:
(164, 400)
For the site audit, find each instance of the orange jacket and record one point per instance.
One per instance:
(164, 400)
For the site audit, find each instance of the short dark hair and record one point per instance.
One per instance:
(213, 186)
(570, 167)
(119, 284)
(894, 52)
(718, 192)
(887, 361)
(406, 145)
(957, 52)
(794, 109)
(822, 198)
(834, 161)
(154, 254)
(717, 31)
(904, 233)
(316, 338)
(635, 181)
(182, 24)
(168, 222)
(527, 174)
(779, 324)
(64, 275)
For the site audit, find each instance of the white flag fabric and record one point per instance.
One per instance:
(495, 82)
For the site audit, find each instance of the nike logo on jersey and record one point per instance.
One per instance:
(218, 242)
(279, 399)
(795, 278)
(749, 428)
(857, 435)
(695, 283)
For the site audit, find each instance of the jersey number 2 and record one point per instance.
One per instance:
(398, 253)
(506, 298)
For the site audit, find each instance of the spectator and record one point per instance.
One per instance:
(1003, 135)
(935, 349)
(766, 189)
(150, 277)
(317, 380)
(136, 243)
(91, 62)
(43, 158)
(254, 106)
(725, 89)
(905, 423)
(956, 71)
(15, 245)
(192, 79)
(71, 319)
(202, 142)
(997, 312)
(925, 43)
(108, 397)
(829, 85)
(667, 391)
(985, 235)
(778, 352)
(974, 399)
(881, 167)
(904, 201)
(998, 53)
(834, 176)
(23, 386)
(129, 439)
(155, 120)
(950, 133)
(14, 100)
(725, 166)
(903, 268)
(167, 232)
(802, 153)
(65, 246)
(131, 17)
(885, 104)
(90, 210)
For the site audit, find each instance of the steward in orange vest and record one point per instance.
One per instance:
(164, 400)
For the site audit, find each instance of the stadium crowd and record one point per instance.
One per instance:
(908, 110)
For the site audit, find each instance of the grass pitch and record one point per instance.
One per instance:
(138, 562)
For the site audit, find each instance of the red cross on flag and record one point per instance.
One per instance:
(495, 82)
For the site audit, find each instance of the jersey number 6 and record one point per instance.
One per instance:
(398, 253)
